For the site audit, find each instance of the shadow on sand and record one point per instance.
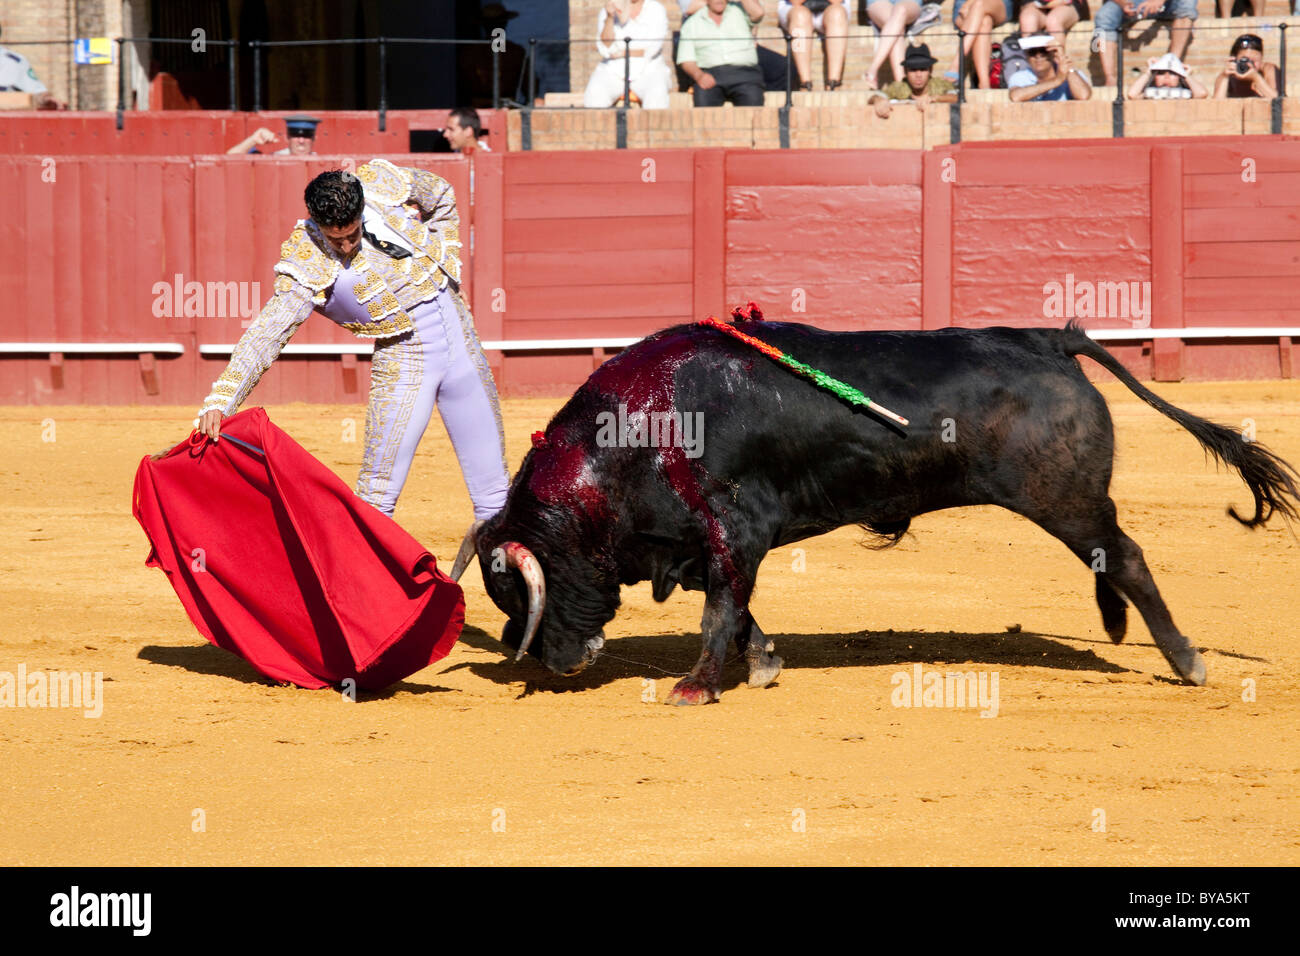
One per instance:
(663, 656)
(210, 659)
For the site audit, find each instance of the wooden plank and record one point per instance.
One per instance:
(1218, 223)
(868, 271)
(604, 302)
(1236, 157)
(491, 302)
(1066, 202)
(1166, 303)
(625, 326)
(823, 167)
(621, 167)
(841, 204)
(587, 235)
(709, 234)
(631, 266)
(1228, 259)
(1233, 295)
(1104, 163)
(937, 237)
(989, 268)
(839, 299)
(1228, 189)
(1278, 315)
(597, 200)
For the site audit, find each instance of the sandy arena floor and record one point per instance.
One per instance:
(477, 760)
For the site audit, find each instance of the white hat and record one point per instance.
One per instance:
(1171, 63)
(1036, 41)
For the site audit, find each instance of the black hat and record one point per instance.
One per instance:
(918, 58)
(302, 125)
(495, 13)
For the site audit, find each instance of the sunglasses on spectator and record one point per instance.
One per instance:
(1037, 52)
(1247, 42)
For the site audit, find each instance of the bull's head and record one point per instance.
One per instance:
(565, 632)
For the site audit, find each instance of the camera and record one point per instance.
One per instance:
(1243, 65)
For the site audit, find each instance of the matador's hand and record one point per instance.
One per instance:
(210, 423)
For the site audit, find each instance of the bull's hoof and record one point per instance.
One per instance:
(762, 673)
(691, 690)
(1190, 666)
(1116, 632)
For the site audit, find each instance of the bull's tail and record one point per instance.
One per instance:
(1271, 480)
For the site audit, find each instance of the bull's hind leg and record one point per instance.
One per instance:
(1114, 609)
(1094, 535)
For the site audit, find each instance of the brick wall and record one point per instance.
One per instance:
(81, 87)
(853, 126)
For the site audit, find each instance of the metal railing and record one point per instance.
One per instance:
(258, 49)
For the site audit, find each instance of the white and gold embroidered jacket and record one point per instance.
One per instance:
(384, 288)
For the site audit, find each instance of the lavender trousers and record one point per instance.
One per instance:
(438, 362)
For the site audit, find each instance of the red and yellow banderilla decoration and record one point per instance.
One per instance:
(831, 384)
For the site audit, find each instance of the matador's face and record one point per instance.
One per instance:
(343, 239)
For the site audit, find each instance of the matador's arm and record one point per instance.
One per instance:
(260, 345)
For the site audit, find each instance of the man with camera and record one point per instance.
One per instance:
(1051, 74)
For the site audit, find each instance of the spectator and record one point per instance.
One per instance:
(1054, 16)
(920, 86)
(474, 62)
(1051, 74)
(464, 131)
(1117, 14)
(978, 18)
(645, 23)
(891, 19)
(17, 76)
(1166, 78)
(300, 131)
(830, 18)
(1246, 73)
(717, 51)
(1224, 8)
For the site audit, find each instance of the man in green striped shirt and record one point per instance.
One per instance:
(717, 51)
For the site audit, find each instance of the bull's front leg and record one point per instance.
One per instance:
(723, 619)
(764, 666)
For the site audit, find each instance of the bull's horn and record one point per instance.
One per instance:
(468, 548)
(522, 560)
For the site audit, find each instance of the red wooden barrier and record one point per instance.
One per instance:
(193, 132)
(618, 244)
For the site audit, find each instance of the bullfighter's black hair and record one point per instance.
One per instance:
(334, 198)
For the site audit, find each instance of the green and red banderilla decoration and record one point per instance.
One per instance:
(843, 390)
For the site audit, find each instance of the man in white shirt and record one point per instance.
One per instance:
(463, 130)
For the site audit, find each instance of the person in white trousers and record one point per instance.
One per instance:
(645, 22)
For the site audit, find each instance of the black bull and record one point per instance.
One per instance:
(998, 417)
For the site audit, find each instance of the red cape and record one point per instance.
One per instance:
(278, 560)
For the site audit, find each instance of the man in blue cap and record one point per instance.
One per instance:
(301, 132)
